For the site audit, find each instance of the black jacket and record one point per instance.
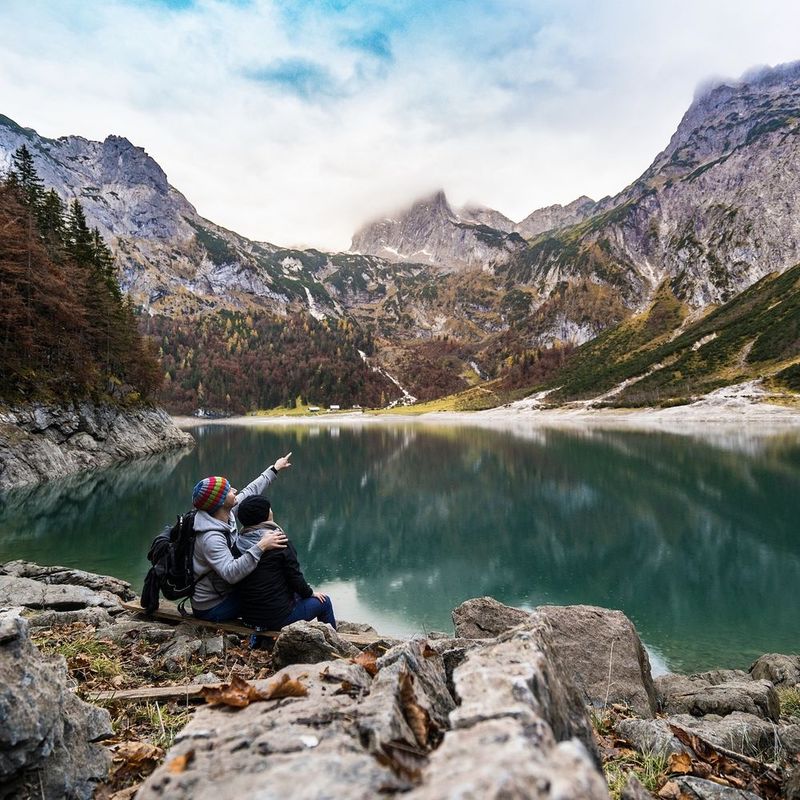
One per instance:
(267, 594)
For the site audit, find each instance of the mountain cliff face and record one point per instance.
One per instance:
(431, 232)
(717, 210)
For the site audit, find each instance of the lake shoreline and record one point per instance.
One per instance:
(719, 413)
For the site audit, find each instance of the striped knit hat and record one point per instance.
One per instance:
(209, 494)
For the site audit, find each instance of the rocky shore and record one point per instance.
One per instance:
(554, 703)
(40, 442)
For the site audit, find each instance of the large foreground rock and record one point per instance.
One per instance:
(48, 737)
(40, 443)
(604, 653)
(520, 732)
(520, 729)
(600, 648)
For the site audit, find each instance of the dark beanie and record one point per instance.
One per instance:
(253, 510)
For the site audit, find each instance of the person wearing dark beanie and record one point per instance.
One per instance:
(276, 593)
(217, 571)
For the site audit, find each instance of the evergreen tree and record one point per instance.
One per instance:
(51, 222)
(24, 177)
(79, 239)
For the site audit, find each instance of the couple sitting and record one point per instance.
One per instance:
(254, 574)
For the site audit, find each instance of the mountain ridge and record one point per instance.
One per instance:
(717, 210)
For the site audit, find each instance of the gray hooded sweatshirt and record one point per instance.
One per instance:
(212, 556)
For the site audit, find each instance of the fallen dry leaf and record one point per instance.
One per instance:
(285, 687)
(428, 651)
(237, 694)
(416, 716)
(367, 660)
(180, 763)
(680, 764)
(137, 753)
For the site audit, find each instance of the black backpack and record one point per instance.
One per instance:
(172, 557)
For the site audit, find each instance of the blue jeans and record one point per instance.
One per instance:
(307, 610)
(310, 609)
(229, 608)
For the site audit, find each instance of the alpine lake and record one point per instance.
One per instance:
(694, 538)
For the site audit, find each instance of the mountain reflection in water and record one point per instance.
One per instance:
(696, 542)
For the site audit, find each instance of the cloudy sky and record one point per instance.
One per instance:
(295, 122)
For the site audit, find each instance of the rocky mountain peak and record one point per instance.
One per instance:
(430, 232)
(725, 116)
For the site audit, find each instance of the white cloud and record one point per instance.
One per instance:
(514, 104)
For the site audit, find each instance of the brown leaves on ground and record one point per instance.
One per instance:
(180, 763)
(368, 660)
(725, 767)
(416, 716)
(134, 760)
(285, 687)
(239, 693)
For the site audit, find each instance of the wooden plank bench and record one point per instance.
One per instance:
(186, 692)
(167, 612)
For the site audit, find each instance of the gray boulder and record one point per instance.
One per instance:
(309, 643)
(681, 694)
(94, 616)
(520, 729)
(485, 618)
(693, 788)
(790, 739)
(48, 739)
(649, 736)
(57, 597)
(738, 732)
(453, 653)
(603, 652)
(67, 575)
(781, 670)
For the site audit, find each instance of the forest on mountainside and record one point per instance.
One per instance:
(231, 362)
(66, 331)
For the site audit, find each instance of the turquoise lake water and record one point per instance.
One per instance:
(697, 542)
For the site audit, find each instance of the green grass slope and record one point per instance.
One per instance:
(668, 359)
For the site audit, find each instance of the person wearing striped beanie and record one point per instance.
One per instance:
(210, 494)
(216, 569)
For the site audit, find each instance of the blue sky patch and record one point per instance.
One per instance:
(298, 76)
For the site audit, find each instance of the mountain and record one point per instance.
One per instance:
(170, 259)
(543, 219)
(716, 211)
(431, 232)
(448, 298)
(557, 216)
(668, 355)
